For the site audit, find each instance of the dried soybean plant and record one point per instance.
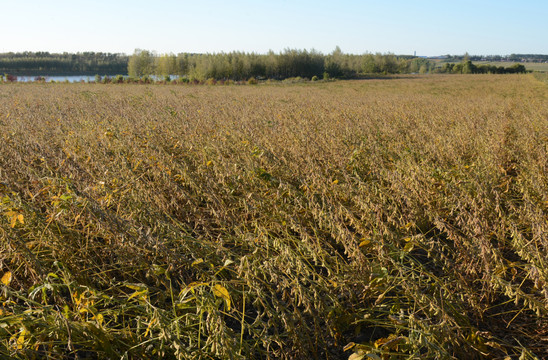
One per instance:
(395, 218)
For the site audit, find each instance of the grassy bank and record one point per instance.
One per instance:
(398, 217)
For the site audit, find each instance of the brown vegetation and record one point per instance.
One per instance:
(397, 217)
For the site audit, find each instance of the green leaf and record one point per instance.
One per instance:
(65, 197)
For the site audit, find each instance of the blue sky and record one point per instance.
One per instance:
(168, 26)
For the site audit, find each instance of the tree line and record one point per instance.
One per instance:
(45, 63)
(296, 63)
(286, 64)
(510, 58)
(235, 65)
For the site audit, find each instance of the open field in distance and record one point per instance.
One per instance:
(401, 217)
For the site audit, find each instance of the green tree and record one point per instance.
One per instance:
(516, 68)
(468, 67)
(141, 63)
(369, 64)
(166, 65)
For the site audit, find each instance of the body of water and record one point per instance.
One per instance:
(80, 78)
(69, 78)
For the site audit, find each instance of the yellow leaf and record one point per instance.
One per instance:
(150, 326)
(136, 287)
(141, 295)
(99, 318)
(349, 346)
(222, 292)
(6, 279)
(197, 261)
(209, 163)
(20, 342)
(408, 247)
(77, 298)
(365, 242)
(13, 221)
(14, 216)
(21, 339)
(380, 342)
(335, 182)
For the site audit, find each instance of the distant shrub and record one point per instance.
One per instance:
(295, 80)
(97, 78)
(252, 81)
(118, 79)
(516, 68)
(314, 78)
(211, 81)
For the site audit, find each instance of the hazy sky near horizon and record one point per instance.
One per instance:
(168, 26)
